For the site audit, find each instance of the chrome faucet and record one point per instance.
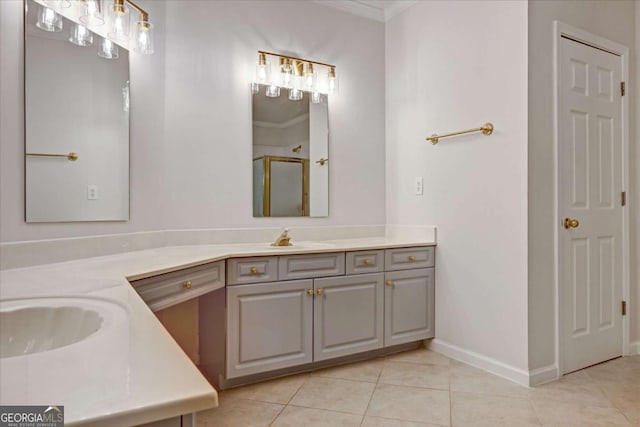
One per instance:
(283, 239)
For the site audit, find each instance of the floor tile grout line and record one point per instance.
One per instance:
(375, 387)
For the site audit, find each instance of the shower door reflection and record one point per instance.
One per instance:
(280, 186)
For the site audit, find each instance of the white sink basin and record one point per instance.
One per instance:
(36, 325)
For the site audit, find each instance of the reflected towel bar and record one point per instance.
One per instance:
(486, 129)
(71, 156)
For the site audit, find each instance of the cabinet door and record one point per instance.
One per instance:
(269, 326)
(347, 315)
(409, 312)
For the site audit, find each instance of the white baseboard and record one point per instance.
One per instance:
(634, 347)
(543, 375)
(488, 364)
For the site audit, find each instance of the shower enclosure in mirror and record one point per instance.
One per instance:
(290, 156)
(76, 122)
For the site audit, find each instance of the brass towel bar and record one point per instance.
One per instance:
(71, 156)
(486, 129)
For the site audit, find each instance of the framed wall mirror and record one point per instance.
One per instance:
(76, 122)
(290, 155)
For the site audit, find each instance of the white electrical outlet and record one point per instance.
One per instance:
(92, 192)
(418, 186)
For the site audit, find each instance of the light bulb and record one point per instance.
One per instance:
(80, 35)
(143, 37)
(286, 72)
(108, 49)
(48, 20)
(263, 70)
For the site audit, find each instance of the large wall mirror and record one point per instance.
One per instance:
(76, 124)
(290, 155)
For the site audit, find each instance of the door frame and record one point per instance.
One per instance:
(561, 29)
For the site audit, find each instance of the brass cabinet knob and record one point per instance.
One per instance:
(310, 292)
(568, 223)
(367, 262)
(389, 283)
(412, 258)
(187, 284)
(322, 161)
(254, 270)
(320, 291)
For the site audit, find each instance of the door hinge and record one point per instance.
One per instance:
(624, 308)
(623, 198)
(622, 91)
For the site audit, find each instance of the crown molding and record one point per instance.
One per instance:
(356, 7)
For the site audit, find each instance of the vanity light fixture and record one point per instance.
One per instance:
(296, 74)
(92, 15)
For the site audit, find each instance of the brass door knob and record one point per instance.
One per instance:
(310, 292)
(254, 270)
(367, 262)
(389, 283)
(187, 284)
(568, 223)
(320, 291)
(412, 258)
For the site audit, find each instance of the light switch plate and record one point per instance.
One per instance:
(419, 186)
(92, 192)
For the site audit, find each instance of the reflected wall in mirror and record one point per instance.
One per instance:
(290, 155)
(75, 102)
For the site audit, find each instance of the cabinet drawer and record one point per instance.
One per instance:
(169, 289)
(312, 265)
(365, 262)
(408, 258)
(241, 271)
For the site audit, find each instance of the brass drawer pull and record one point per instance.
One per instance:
(320, 291)
(187, 284)
(310, 292)
(389, 283)
(367, 262)
(254, 270)
(412, 258)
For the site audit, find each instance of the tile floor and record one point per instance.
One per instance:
(422, 388)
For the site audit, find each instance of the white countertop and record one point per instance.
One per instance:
(135, 373)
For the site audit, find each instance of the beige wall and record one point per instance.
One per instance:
(613, 20)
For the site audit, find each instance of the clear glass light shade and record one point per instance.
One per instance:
(80, 35)
(92, 12)
(316, 98)
(143, 37)
(48, 20)
(119, 20)
(310, 81)
(263, 73)
(125, 97)
(295, 94)
(333, 84)
(108, 49)
(255, 87)
(273, 91)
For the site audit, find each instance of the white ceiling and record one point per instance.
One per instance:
(378, 10)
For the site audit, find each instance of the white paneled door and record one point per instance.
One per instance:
(589, 203)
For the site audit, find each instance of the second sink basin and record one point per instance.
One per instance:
(37, 325)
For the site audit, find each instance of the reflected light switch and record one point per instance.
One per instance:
(92, 192)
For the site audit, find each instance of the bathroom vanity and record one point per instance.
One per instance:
(264, 316)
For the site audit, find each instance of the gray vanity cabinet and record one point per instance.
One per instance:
(269, 327)
(347, 315)
(409, 306)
